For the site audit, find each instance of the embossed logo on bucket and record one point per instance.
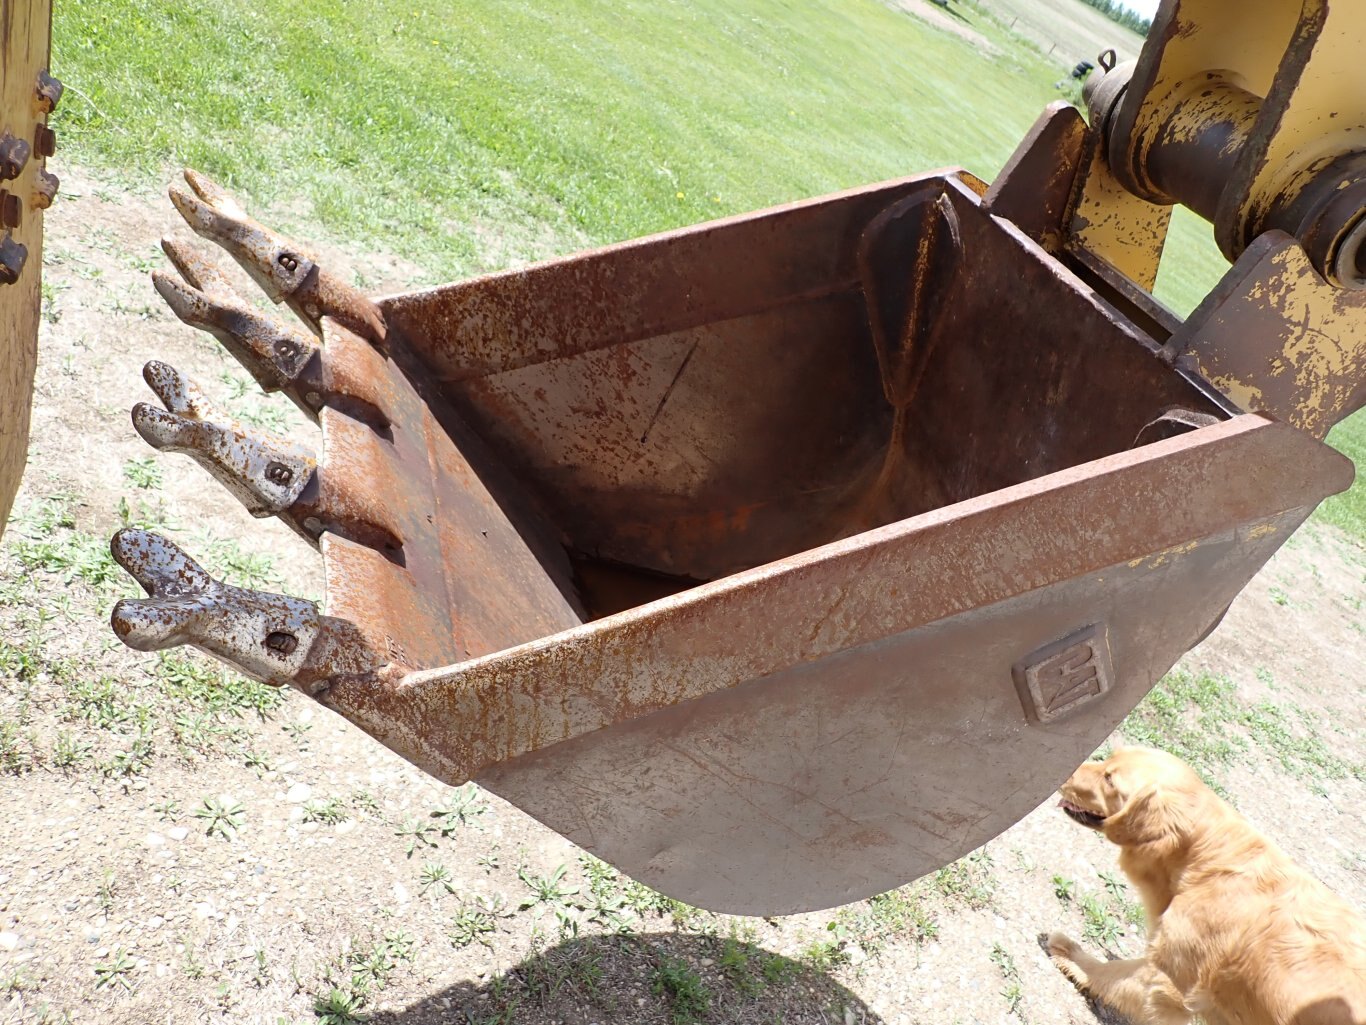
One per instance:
(1060, 677)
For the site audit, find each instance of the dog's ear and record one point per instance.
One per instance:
(1151, 815)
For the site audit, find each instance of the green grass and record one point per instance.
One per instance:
(426, 127)
(1348, 510)
(1199, 718)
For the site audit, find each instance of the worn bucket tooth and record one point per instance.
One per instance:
(199, 270)
(266, 474)
(274, 638)
(283, 271)
(275, 353)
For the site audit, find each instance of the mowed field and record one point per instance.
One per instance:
(183, 845)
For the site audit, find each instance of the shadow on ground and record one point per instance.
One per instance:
(654, 978)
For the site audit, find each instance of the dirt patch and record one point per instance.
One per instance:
(948, 21)
(168, 857)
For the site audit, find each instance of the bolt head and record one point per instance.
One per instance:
(281, 642)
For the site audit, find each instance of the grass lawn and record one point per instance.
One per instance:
(420, 127)
(465, 135)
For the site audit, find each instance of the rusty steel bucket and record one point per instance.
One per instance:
(776, 561)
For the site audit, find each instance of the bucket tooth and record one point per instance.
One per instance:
(274, 638)
(282, 270)
(275, 353)
(266, 474)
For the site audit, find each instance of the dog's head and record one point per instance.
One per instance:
(1136, 796)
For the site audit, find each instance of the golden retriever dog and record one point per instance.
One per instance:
(1237, 933)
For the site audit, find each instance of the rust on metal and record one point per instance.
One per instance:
(1252, 115)
(731, 474)
(279, 267)
(48, 92)
(44, 190)
(11, 210)
(44, 141)
(13, 256)
(1034, 189)
(245, 628)
(273, 351)
(14, 154)
(266, 474)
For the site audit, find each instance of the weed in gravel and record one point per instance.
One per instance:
(551, 890)
(143, 473)
(1117, 890)
(50, 290)
(115, 972)
(605, 902)
(168, 810)
(476, 921)
(328, 812)
(968, 880)
(102, 702)
(371, 966)
(897, 914)
(191, 967)
(339, 1008)
(645, 901)
(1063, 889)
(688, 997)
(1014, 989)
(417, 833)
(221, 815)
(825, 955)
(44, 538)
(133, 760)
(296, 730)
(147, 516)
(462, 809)
(736, 961)
(16, 750)
(1098, 923)
(554, 894)
(1188, 715)
(105, 895)
(224, 557)
(1298, 747)
(209, 687)
(436, 874)
(364, 802)
(258, 762)
(68, 751)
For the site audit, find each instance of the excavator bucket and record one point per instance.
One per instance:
(776, 561)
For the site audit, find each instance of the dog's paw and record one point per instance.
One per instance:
(1059, 944)
(1065, 953)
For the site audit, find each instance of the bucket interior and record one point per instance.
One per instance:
(672, 458)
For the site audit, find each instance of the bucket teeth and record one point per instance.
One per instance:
(273, 638)
(281, 268)
(273, 352)
(267, 474)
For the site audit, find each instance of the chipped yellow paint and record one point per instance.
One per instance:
(1261, 530)
(1284, 341)
(1156, 559)
(1321, 109)
(1112, 223)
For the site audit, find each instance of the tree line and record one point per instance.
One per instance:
(1118, 12)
